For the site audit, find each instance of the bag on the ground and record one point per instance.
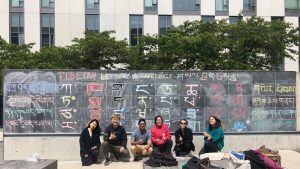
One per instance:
(196, 163)
(158, 159)
(273, 154)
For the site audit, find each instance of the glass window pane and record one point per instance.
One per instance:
(45, 38)
(179, 5)
(21, 20)
(52, 21)
(90, 4)
(14, 19)
(45, 30)
(14, 40)
(21, 3)
(133, 31)
(136, 28)
(191, 5)
(45, 3)
(15, 3)
(45, 20)
(14, 29)
(219, 5)
(89, 22)
(291, 4)
(21, 29)
(148, 3)
(96, 22)
(21, 39)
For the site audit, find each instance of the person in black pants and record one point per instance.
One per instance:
(115, 140)
(184, 139)
(161, 137)
(90, 143)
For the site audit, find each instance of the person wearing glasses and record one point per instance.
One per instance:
(213, 136)
(160, 136)
(140, 141)
(115, 140)
(184, 139)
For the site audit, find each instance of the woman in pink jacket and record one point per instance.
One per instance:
(160, 136)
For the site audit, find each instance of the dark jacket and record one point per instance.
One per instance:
(86, 142)
(120, 140)
(186, 138)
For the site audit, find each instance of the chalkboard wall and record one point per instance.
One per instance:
(63, 101)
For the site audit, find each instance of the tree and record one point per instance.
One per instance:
(253, 44)
(98, 51)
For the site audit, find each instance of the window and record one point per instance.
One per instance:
(186, 5)
(234, 19)
(17, 3)
(292, 5)
(47, 33)
(47, 3)
(92, 4)
(249, 5)
(92, 23)
(221, 5)
(164, 23)
(17, 28)
(150, 5)
(277, 18)
(208, 18)
(136, 28)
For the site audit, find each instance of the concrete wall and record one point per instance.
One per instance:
(67, 148)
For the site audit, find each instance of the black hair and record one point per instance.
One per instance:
(155, 119)
(142, 120)
(218, 123)
(97, 130)
(185, 121)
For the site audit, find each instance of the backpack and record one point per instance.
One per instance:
(272, 154)
(196, 163)
(158, 159)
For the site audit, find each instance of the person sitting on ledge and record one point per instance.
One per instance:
(160, 136)
(141, 141)
(184, 139)
(213, 136)
(90, 143)
(115, 140)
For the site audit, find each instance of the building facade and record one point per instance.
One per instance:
(58, 22)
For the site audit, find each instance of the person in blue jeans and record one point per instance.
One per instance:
(213, 136)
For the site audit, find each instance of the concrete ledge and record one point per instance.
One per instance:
(66, 148)
(17, 164)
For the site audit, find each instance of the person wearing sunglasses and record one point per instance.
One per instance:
(140, 141)
(160, 136)
(213, 136)
(184, 139)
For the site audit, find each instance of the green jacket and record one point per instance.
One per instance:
(217, 137)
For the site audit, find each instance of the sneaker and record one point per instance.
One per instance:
(190, 154)
(107, 161)
(136, 158)
(117, 158)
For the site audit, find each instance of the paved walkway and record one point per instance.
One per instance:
(289, 159)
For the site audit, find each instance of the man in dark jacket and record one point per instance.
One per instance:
(115, 140)
(184, 139)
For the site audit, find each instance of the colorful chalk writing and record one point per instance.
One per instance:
(63, 101)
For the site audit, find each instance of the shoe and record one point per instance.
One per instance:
(107, 161)
(117, 158)
(137, 158)
(190, 154)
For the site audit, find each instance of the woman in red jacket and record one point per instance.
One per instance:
(160, 136)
